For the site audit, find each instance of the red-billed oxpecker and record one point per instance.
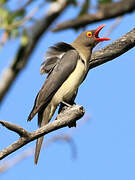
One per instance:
(67, 66)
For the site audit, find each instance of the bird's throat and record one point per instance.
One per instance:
(84, 52)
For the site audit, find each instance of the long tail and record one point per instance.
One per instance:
(38, 148)
(43, 118)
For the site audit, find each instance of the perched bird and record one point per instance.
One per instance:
(67, 66)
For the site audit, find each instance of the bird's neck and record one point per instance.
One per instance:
(84, 52)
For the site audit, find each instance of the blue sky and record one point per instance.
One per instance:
(106, 144)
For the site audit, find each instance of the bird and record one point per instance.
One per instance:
(66, 66)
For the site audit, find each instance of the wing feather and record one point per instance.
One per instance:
(59, 74)
(53, 55)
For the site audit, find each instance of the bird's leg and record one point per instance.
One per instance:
(68, 105)
(62, 108)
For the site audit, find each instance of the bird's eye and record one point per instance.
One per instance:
(89, 34)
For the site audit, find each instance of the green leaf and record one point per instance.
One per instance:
(104, 1)
(85, 8)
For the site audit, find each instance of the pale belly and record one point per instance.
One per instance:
(70, 86)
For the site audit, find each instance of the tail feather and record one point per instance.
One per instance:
(44, 117)
(31, 116)
(41, 122)
(38, 148)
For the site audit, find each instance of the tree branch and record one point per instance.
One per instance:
(70, 115)
(25, 50)
(106, 11)
(30, 151)
(62, 137)
(110, 52)
(13, 127)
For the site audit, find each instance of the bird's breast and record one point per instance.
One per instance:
(71, 84)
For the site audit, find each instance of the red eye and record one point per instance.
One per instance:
(89, 34)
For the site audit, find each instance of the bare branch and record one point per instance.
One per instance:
(6, 165)
(70, 115)
(25, 50)
(110, 52)
(4, 38)
(64, 137)
(113, 26)
(109, 31)
(22, 21)
(24, 6)
(106, 11)
(13, 127)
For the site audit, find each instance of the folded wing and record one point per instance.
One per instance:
(53, 55)
(62, 70)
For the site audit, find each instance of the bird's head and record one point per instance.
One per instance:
(90, 38)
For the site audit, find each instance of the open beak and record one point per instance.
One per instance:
(97, 32)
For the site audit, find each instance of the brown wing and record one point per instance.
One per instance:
(59, 74)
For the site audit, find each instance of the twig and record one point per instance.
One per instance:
(20, 22)
(70, 115)
(24, 6)
(107, 11)
(64, 137)
(13, 127)
(4, 38)
(25, 154)
(113, 26)
(109, 31)
(23, 20)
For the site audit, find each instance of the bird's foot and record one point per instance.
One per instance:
(72, 125)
